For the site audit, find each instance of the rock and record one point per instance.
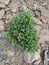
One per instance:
(10, 53)
(37, 55)
(1, 13)
(14, 60)
(9, 16)
(7, 9)
(37, 13)
(2, 5)
(46, 59)
(5, 1)
(7, 22)
(37, 62)
(1, 23)
(39, 23)
(14, 14)
(30, 57)
(20, 8)
(34, 7)
(14, 10)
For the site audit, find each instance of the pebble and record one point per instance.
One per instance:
(10, 53)
(14, 10)
(1, 23)
(37, 13)
(1, 13)
(30, 57)
(5, 1)
(34, 7)
(20, 8)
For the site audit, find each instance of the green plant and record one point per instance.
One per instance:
(22, 31)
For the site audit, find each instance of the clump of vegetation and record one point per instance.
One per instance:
(22, 31)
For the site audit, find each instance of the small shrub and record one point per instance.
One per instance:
(22, 31)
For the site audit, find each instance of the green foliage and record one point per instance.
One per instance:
(22, 31)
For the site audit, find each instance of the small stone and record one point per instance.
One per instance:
(20, 8)
(2, 5)
(4, 17)
(1, 23)
(39, 23)
(14, 60)
(37, 13)
(9, 16)
(30, 57)
(7, 9)
(37, 55)
(34, 7)
(14, 10)
(5, 1)
(46, 56)
(14, 14)
(37, 62)
(7, 21)
(10, 53)
(1, 13)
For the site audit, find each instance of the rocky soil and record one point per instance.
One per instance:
(10, 55)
